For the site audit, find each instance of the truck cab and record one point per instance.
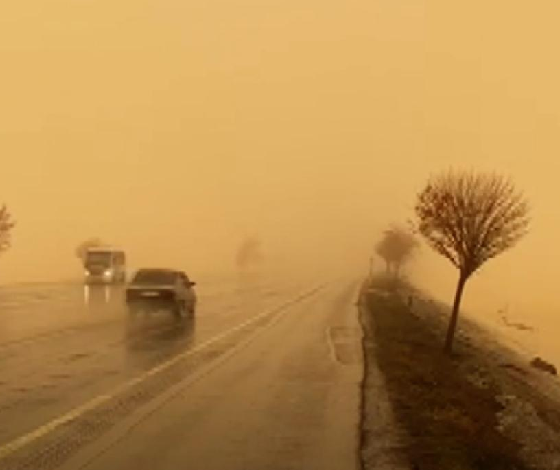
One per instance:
(105, 265)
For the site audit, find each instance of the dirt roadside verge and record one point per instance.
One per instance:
(483, 408)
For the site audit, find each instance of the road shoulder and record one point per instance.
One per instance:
(482, 408)
(381, 435)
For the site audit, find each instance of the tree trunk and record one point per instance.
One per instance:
(455, 314)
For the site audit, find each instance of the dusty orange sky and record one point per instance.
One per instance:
(175, 128)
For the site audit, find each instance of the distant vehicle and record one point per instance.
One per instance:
(104, 265)
(161, 289)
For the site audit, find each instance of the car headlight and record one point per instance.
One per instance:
(86, 273)
(108, 273)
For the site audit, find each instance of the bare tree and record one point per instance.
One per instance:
(396, 248)
(83, 247)
(6, 226)
(469, 219)
(249, 253)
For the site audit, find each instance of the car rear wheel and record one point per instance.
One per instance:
(179, 309)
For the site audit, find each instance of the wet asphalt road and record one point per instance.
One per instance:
(265, 376)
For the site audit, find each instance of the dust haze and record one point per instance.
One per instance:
(178, 129)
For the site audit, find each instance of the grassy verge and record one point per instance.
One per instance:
(452, 409)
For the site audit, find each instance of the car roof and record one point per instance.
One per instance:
(160, 270)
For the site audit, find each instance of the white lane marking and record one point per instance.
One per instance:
(355, 328)
(75, 413)
(332, 352)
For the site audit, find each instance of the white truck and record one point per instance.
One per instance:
(105, 265)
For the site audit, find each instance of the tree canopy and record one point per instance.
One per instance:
(396, 247)
(471, 218)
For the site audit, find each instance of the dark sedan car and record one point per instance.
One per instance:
(161, 289)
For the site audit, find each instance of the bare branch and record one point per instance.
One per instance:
(471, 218)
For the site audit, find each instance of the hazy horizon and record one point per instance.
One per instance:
(176, 129)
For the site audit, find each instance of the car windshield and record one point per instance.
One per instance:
(154, 276)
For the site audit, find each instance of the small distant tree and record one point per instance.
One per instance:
(469, 219)
(6, 226)
(249, 253)
(83, 247)
(396, 248)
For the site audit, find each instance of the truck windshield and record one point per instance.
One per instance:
(103, 258)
